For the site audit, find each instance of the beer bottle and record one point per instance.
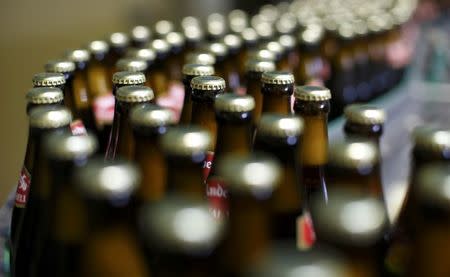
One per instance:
(277, 89)
(201, 57)
(119, 43)
(233, 117)
(430, 246)
(98, 72)
(175, 60)
(149, 123)
(81, 101)
(289, 60)
(158, 75)
(106, 189)
(185, 150)
(47, 79)
(190, 71)
(262, 54)
(216, 27)
(180, 237)
(60, 241)
(140, 36)
(364, 121)
(193, 32)
(312, 103)
(163, 27)
(279, 135)
(66, 68)
(222, 65)
(249, 44)
(264, 29)
(132, 65)
(44, 96)
(204, 91)
(354, 225)
(276, 48)
(121, 140)
(34, 190)
(247, 237)
(234, 44)
(255, 68)
(237, 21)
(146, 54)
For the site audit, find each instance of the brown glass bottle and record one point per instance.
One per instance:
(47, 79)
(190, 71)
(216, 27)
(165, 227)
(175, 61)
(262, 54)
(254, 70)
(234, 44)
(66, 68)
(377, 54)
(249, 44)
(149, 123)
(233, 117)
(121, 141)
(277, 89)
(193, 32)
(118, 43)
(163, 27)
(158, 72)
(185, 150)
(60, 242)
(360, 51)
(132, 65)
(279, 135)
(201, 57)
(222, 64)
(364, 121)
(34, 196)
(247, 237)
(313, 105)
(146, 54)
(109, 228)
(354, 225)
(140, 36)
(204, 91)
(276, 48)
(290, 58)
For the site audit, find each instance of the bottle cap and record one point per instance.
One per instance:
(312, 34)
(66, 146)
(346, 31)
(193, 33)
(160, 46)
(249, 35)
(216, 25)
(175, 39)
(179, 225)
(163, 27)
(432, 138)
(45, 117)
(134, 94)
(231, 102)
(146, 54)
(218, 49)
(357, 154)
(113, 180)
(286, 24)
(189, 21)
(275, 47)
(207, 83)
(77, 55)
(232, 41)
(433, 184)
(131, 64)
(364, 114)
(349, 219)
(288, 42)
(119, 39)
(48, 79)
(44, 95)
(238, 20)
(186, 141)
(312, 93)
(204, 58)
(141, 33)
(262, 54)
(258, 174)
(277, 125)
(128, 78)
(59, 66)
(193, 69)
(277, 78)
(150, 115)
(98, 47)
(255, 65)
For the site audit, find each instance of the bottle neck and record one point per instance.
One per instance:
(186, 176)
(158, 78)
(372, 132)
(254, 89)
(186, 111)
(277, 98)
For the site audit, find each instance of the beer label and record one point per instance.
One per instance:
(77, 128)
(305, 231)
(23, 188)
(207, 164)
(173, 99)
(217, 195)
(104, 109)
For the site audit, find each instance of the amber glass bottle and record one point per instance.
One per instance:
(276, 48)
(201, 57)
(66, 68)
(158, 72)
(277, 89)
(47, 79)
(364, 121)
(118, 43)
(163, 27)
(132, 65)
(249, 44)
(140, 36)
(175, 61)
(262, 54)
(290, 58)
(234, 44)
(146, 54)
(222, 64)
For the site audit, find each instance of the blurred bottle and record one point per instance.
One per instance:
(66, 68)
(277, 89)
(290, 58)
(216, 26)
(109, 228)
(158, 72)
(149, 123)
(364, 121)
(185, 150)
(58, 253)
(233, 117)
(354, 225)
(146, 54)
(234, 44)
(132, 65)
(262, 54)
(277, 49)
(201, 57)
(191, 70)
(249, 43)
(222, 64)
(247, 238)
(361, 58)
(163, 27)
(34, 194)
(193, 32)
(312, 103)
(121, 141)
(47, 79)
(118, 43)
(140, 36)
(175, 61)
(204, 91)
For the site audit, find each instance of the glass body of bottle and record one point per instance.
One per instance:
(277, 89)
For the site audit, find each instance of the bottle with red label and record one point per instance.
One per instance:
(280, 135)
(185, 151)
(204, 91)
(121, 142)
(62, 228)
(33, 192)
(140, 36)
(190, 71)
(355, 225)
(149, 123)
(158, 72)
(277, 89)
(252, 181)
(111, 246)
(234, 123)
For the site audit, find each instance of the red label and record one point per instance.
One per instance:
(104, 108)
(207, 164)
(217, 197)
(23, 188)
(305, 232)
(77, 128)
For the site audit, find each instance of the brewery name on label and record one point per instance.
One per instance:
(23, 188)
(207, 164)
(217, 195)
(104, 108)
